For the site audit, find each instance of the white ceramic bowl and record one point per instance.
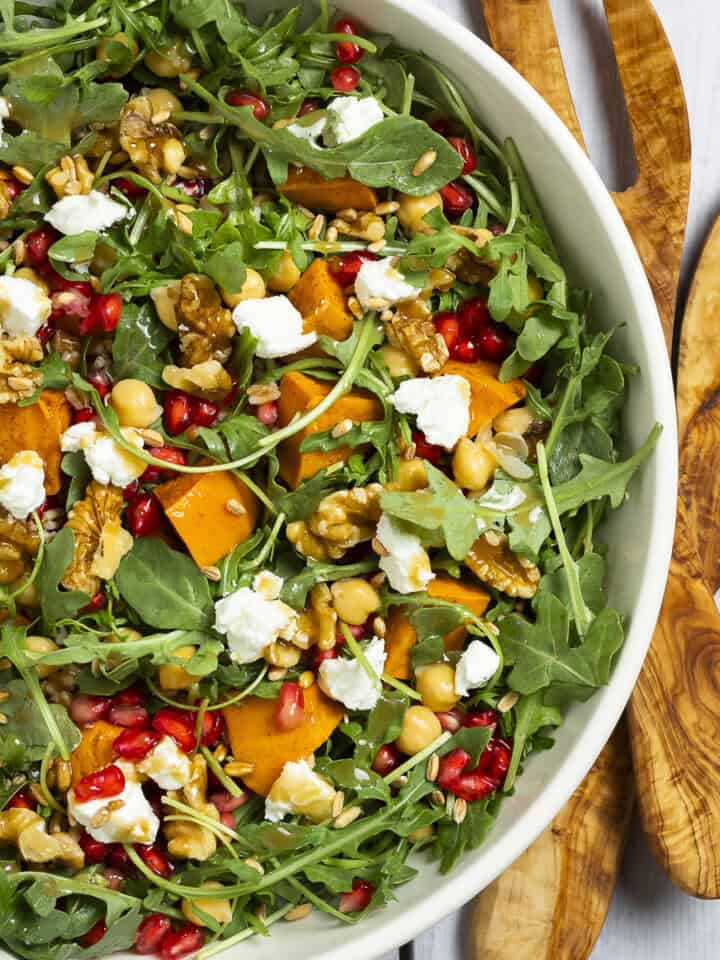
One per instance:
(598, 251)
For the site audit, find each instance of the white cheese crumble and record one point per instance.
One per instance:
(347, 681)
(134, 821)
(275, 323)
(24, 308)
(4, 114)
(80, 212)
(22, 484)
(299, 790)
(406, 565)
(441, 405)
(308, 131)
(268, 584)
(380, 279)
(476, 666)
(349, 118)
(167, 765)
(251, 623)
(107, 460)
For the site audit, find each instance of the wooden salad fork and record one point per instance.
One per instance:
(565, 881)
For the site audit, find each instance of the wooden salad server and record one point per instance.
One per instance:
(565, 881)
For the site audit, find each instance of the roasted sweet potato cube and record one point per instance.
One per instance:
(309, 189)
(95, 749)
(196, 506)
(321, 301)
(39, 428)
(488, 397)
(400, 636)
(298, 394)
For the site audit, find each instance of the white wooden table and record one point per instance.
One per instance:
(649, 919)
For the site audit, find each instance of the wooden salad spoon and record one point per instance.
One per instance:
(567, 878)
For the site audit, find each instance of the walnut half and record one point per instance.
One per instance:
(28, 831)
(19, 542)
(191, 840)
(18, 379)
(205, 326)
(100, 540)
(493, 562)
(340, 521)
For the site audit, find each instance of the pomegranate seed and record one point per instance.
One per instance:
(131, 490)
(86, 708)
(386, 759)
(178, 943)
(535, 374)
(70, 311)
(94, 850)
(228, 820)
(150, 933)
(225, 802)
(495, 343)
(425, 450)
(447, 325)
(473, 786)
(22, 800)
(130, 697)
(357, 630)
(450, 720)
(472, 316)
(480, 718)
(105, 312)
(105, 783)
(131, 717)
(241, 98)
(212, 728)
(267, 413)
(345, 50)
(101, 380)
(495, 760)
(83, 415)
(59, 284)
(118, 859)
(44, 333)
(345, 268)
(441, 125)
(320, 656)
(144, 515)
(37, 244)
(230, 399)
(171, 455)
(310, 105)
(154, 858)
(178, 724)
(290, 713)
(358, 898)
(134, 744)
(98, 602)
(451, 766)
(457, 198)
(204, 413)
(131, 190)
(178, 411)
(344, 79)
(94, 934)
(466, 351)
(466, 152)
(13, 188)
(196, 187)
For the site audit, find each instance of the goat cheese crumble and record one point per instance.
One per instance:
(130, 819)
(380, 279)
(107, 460)
(349, 118)
(22, 484)
(406, 564)
(275, 323)
(476, 666)
(299, 790)
(24, 307)
(167, 765)
(251, 623)
(347, 681)
(441, 405)
(85, 211)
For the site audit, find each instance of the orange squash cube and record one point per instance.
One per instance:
(95, 750)
(39, 428)
(488, 397)
(196, 507)
(309, 189)
(299, 394)
(400, 637)
(321, 301)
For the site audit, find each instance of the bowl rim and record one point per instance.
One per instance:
(462, 883)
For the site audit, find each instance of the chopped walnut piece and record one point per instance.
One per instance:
(152, 147)
(28, 831)
(204, 324)
(465, 265)
(19, 543)
(341, 520)
(420, 339)
(208, 380)
(318, 622)
(187, 839)
(100, 540)
(71, 177)
(493, 562)
(18, 379)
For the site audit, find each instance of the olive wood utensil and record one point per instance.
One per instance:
(568, 876)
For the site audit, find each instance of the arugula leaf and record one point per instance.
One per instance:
(27, 726)
(139, 346)
(56, 604)
(531, 715)
(56, 375)
(29, 149)
(74, 465)
(452, 839)
(74, 249)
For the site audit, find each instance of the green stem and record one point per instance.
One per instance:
(402, 687)
(48, 36)
(341, 38)
(417, 758)
(230, 785)
(244, 934)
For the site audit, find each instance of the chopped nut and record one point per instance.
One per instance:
(235, 508)
(465, 265)
(18, 379)
(100, 540)
(459, 810)
(433, 768)
(208, 380)
(341, 428)
(71, 177)
(255, 864)
(166, 300)
(348, 816)
(306, 679)
(341, 520)
(239, 768)
(316, 227)
(337, 804)
(281, 653)
(506, 703)
(204, 324)
(28, 831)
(387, 207)
(212, 573)
(492, 561)
(151, 147)
(317, 623)
(23, 175)
(299, 912)
(259, 393)
(19, 543)
(187, 839)
(354, 307)
(412, 330)
(424, 163)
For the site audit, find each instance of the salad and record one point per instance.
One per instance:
(305, 439)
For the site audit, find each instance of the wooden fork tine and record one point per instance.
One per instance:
(654, 208)
(523, 32)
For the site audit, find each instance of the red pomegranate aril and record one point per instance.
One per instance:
(212, 728)
(178, 724)
(13, 188)
(83, 415)
(86, 708)
(480, 718)
(45, 333)
(473, 315)
(320, 656)
(448, 326)
(22, 800)
(130, 697)
(101, 380)
(196, 187)
(170, 455)
(143, 515)
(230, 399)
(425, 450)
(228, 820)
(386, 759)
(100, 785)
(155, 858)
(178, 943)
(150, 933)
(105, 312)
(225, 802)
(346, 267)
(456, 198)
(345, 50)
(133, 191)
(450, 720)
(94, 850)
(310, 105)
(494, 343)
(37, 244)
(358, 898)
(98, 602)
(131, 490)
(118, 859)
(441, 125)
(267, 413)
(242, 98)
(290, 712)
(94, 934)
(356, 629)
(466, 153)
(495, 760)
(70, 312)
(178, 411)
(128, 716)
(466, 351)
(473, 786)
(59, 284)
(134, 744)
(451, 766)
(204, 413)
(344, 79)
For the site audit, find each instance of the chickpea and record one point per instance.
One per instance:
(162, 100)
(30, 597)
(135, 404)
(102, 52)
(219, 909)
(11, 569)
(173, 677)
(354, 600)
(35, 647)
(420, 727)
(413, 209)
(285, 276)
(399, 363)
(26, 273)
(516, 420)
(411, 476)
(171, 61)
(173, 155)
(436, 686)
(473, 465)
(252, 289)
